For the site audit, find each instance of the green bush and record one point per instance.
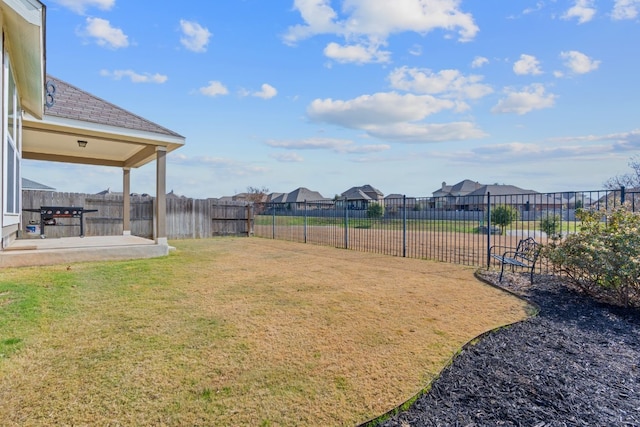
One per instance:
(375, 210)
(503, 215)
(603, 258)
(550, 224)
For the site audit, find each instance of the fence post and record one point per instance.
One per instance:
(404, 226)
(273, 221)
(622, 195)
(488, 230)
(346, 224)
(249, 216)
(305, 221)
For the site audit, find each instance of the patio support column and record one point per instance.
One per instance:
(161, 196)
(126, 201)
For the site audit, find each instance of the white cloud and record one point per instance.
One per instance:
(583, 10)
(135, 77)
(267, 92)
(370, 22)
(288, 157)
(79, 6)
(105, 34)
(415, 50)
(215, 88)
(479, 61)
(359, 54)
(521, 102)
(393, 116)
(527, 64)
(195, 37)
(625, 9)
(376, 109)
(330, 144)
(449, 83)
(429, 132)
(578, 62)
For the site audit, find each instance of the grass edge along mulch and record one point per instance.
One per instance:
(236, 331)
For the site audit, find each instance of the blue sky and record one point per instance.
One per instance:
(401, 94)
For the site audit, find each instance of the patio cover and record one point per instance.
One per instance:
(82, 128)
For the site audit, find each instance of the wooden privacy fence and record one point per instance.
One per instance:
(186, 218)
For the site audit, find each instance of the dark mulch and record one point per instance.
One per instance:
(577, 363)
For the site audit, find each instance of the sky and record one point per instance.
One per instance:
(398, 94)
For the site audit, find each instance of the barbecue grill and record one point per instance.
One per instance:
(50, 214)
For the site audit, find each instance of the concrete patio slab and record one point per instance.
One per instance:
(35, 251)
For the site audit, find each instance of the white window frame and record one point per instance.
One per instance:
(12, 147)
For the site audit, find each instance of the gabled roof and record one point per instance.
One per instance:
(302, 194)
(355, 193)
(364, 192)
(464, 187)
(77, 104)
(113, 136)
(500, 190)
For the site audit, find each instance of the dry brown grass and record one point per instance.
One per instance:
(238, 331)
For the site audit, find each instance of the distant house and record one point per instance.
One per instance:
(394, 202)
(299, 198)
(360, 197)
(447, 196)
(29, 185)
(524, 200)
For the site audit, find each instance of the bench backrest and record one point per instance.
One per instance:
(528, 249)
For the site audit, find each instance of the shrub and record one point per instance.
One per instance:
(603, 258)
(503, 215)
(550, 224)
(375, 210)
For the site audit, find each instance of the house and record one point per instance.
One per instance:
(300, 198)
(48, 119)
(360, 197)
(523, 200)
(446, 197)
(394, 202)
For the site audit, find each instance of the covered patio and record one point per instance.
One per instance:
(78, 127)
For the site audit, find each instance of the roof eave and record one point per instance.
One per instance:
(25, 22)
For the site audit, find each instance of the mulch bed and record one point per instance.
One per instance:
(577, 363)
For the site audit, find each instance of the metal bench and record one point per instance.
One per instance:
(524, 255)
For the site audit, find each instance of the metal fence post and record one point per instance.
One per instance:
(404, 226)
(273, 221)
(622, 195)
(346, 224)
(305, 221)
(488, 230)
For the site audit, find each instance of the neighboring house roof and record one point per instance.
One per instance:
(28, 184)
(365, 192)
(355, 194)
(394, 196)
(299, 195)
(108, 191)
(500, 190)
(77, 104)
(302, 194)
(464, 187)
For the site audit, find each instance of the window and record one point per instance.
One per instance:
(12, 146)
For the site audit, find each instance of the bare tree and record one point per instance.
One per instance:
(257, 195)
(629, 180)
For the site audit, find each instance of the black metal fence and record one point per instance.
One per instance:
(458, 230)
